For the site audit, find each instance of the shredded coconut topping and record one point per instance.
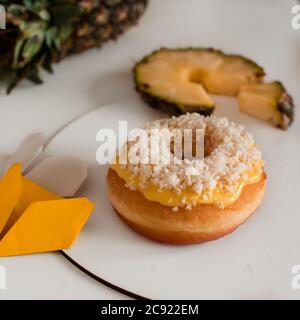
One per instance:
(229, 153)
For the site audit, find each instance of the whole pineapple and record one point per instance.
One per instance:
(40, 32)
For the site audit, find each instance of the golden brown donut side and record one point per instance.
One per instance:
(201, 223)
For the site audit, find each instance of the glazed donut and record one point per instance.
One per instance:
(200, 224)
(196, 200)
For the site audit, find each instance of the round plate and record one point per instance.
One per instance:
(253, 262)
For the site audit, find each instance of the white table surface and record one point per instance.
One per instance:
(88, 81)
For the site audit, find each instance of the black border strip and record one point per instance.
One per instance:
(102, 281)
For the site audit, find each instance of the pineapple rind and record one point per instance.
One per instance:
(174, 108)
(285, 108)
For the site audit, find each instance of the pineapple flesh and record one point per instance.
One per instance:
(233, 72)
(180, 80)
(269, 102)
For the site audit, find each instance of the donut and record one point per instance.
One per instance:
(188, 200)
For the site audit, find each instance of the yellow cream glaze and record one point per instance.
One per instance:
(218, 196)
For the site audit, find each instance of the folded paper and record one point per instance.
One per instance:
(29, 149)
(62, 175)
(33, 219)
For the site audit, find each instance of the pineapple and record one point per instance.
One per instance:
(40, 32)
(180, 80)
(268, 101)
(233, 72)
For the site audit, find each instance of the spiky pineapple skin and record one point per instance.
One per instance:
(120, 16)
(286, 108)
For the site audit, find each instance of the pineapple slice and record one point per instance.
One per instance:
(169, 80)
(231, 74)
(178, 80)
(268, 101)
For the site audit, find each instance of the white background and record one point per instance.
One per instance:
(259, 29)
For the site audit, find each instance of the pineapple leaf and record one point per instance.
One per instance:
(17, 51)
(65, 32)
(34, 77)
(12, 82)
(16, 9)
(44, 15)
(31, 29)
(31, 48)
(28, 4)
(51, 35)
(46, 63)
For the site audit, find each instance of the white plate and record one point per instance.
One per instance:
(253, 262)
